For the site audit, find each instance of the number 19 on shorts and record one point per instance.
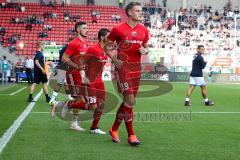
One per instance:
(124, 86)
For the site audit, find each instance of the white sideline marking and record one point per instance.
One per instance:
(10, 132)
(160, 112)
(12, 94)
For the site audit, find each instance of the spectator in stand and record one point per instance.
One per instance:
(94, 14)
(23, 9)
(55, 3)
(94, 19)
(29, 27)
(50, 3)
(43, 34)
(90, 2)
(113, 17)
(42, 2)
(118, 18)
(3, 5)
(2, 31)
(47, 27)
(66, 16)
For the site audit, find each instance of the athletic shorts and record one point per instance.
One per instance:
(61, 76)
(94, 92)
(128, 79)
(197, 81)
(74, 82)
(40, 77)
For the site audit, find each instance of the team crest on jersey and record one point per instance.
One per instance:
(134, 34)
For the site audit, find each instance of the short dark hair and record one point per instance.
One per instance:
(39, 43)
(102, 32)
(78, 24)
(200, 46)
(130, 6)
(70, 39)
(4, 57)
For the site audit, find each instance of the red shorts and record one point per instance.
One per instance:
(128, 79)
(74, 82)
(95, 92)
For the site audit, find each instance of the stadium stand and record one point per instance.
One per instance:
(29, 26)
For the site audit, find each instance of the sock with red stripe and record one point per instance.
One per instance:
(129, 120)
(78, 105)
(119, 117)
(97, 115)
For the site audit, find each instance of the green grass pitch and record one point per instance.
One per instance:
(212, 133)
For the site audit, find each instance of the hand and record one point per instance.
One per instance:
(85, 81)
(81, 67)
(43, 71)
(118, 63)
(143, 51)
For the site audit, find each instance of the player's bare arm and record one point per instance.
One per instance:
(66, 59)
(109, 49)
(82, 62)
(144, 49)
(39, 66)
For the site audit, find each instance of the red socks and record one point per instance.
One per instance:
(97, 115)
(77, 104)
(125, 113)
(129, 120)
(119, 117)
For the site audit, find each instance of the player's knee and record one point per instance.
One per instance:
(100, 106)
(79, 99)
(129, 103)
(93, 107)
(129, 100)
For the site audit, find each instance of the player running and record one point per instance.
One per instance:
(132, 38)
(61, 77)
(72, 55)
(196, 77)
(90, 90)
(94, 60)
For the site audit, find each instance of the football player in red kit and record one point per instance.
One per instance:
(94, 61)
(90, 86)
(132, 38)
(72, 56)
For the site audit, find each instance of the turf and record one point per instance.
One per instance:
(202, 136)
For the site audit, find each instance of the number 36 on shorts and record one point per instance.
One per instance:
(92, 100)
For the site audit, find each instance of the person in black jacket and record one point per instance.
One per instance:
(196, 77)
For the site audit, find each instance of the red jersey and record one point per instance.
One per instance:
(95, 61)
(129, 40)
(76, 48)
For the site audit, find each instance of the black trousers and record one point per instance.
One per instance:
(29, 75)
